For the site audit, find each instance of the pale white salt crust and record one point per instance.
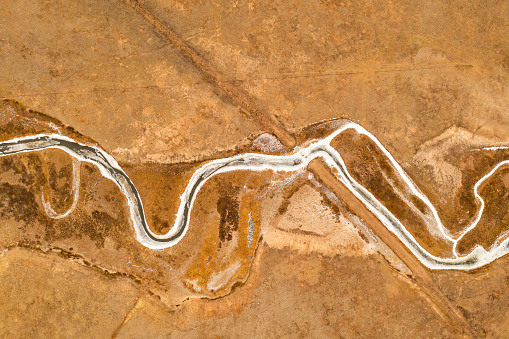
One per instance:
(295, 161)
(50, 212)
(268, 143)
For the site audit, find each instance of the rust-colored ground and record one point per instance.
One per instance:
(165, 86)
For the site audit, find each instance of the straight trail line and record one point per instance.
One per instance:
(137, 303)
(252, 107)
(234, 94)
(423, 277)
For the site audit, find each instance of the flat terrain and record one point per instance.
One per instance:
(166, 86)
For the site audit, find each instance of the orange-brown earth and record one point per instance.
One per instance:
(428, 80)
(371, 168)
(217, 253)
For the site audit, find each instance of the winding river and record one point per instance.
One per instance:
(299, 159)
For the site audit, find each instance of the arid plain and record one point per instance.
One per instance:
(167, 87)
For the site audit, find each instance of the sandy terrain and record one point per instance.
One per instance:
(166, 87)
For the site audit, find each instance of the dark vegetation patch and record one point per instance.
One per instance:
(228, 209)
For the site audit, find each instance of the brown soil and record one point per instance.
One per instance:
(371, 168)
(165, 86)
